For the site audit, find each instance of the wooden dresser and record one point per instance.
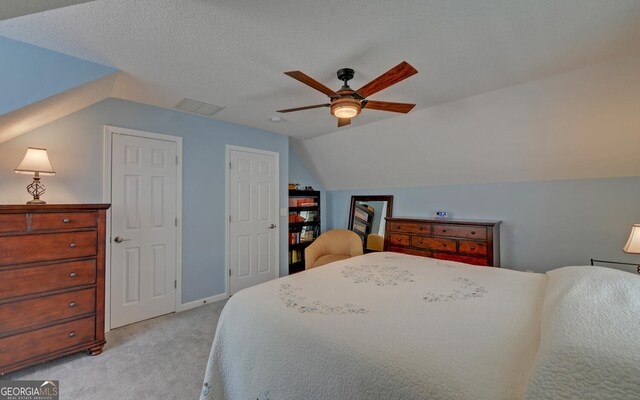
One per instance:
(51, 282)
(472, 241)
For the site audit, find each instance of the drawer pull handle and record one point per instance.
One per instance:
(66, 220)
(421, 228)
(444, 231)
(72, 274)
(72, 245)
(397, 226)
(473, 247)
(473, 232)
(444, 245)
(72, 304)
(71, 334)
(420, 241)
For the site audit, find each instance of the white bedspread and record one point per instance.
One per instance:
(380, 326)
(392, 326)
(590, 342)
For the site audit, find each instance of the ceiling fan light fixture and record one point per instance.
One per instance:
(345, 108)
(347, 103)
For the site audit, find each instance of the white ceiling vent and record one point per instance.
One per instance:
(198, 107)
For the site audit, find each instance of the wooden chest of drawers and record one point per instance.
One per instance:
(471, 242)
(51, 282)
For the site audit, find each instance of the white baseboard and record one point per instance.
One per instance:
(201, 302)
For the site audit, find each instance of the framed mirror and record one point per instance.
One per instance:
(367, 219)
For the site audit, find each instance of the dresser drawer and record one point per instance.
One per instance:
(32, 248)
(13, 222)
(463, 259)
(413, 252)
(399, 240)
(433, 243)
(42, 310)
(410, 227)
(473, 248)
(24, 281)
(18, 348)
(436, 244)
(64, 220)
(470, 232)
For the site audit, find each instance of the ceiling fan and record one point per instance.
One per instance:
(347, 103)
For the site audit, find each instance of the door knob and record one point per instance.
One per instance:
(272, 226)
(119, 239)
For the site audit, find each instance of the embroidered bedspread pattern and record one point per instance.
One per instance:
(379, 326)
(590, 336)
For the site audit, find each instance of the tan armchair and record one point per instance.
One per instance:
(334, 245)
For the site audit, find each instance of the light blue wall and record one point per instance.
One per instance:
(30, 73)
(545, 225)
(75, 148)
(299, 173)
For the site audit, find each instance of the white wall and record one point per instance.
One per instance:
(581, 124)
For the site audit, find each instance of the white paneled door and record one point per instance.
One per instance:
(253, 217)
(143, 228)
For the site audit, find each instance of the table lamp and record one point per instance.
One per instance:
(35, 162)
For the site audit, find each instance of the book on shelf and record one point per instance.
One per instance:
(295, 217)
(307, 236)
(294, 237)
(302, 202)
(309, 216)
(295, 256)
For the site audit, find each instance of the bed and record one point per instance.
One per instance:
(394, 326)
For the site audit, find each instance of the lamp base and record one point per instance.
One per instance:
(38, 201)
(36, 189)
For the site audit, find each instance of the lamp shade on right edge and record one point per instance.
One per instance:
(633, 244)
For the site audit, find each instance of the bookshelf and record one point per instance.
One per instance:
(304, 225)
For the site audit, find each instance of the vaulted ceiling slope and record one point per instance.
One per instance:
(40, 86)
(576, 125)
(234, 53)
(16, 8)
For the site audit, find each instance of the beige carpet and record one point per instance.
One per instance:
(161, 358)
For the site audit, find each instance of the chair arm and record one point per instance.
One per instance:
(355, 248)
(311, 254)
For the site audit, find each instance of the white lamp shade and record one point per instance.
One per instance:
(36, 160)
(633, 244)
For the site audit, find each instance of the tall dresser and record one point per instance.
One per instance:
(469, 241)
(51, 282)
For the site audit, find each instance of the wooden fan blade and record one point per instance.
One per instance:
(389, 106)
(303, 108)
(343, 121)
(307, 80)
(394, 75)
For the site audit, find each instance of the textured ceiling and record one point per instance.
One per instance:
(233, 53)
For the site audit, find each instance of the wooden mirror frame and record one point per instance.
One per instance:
(355, 199)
